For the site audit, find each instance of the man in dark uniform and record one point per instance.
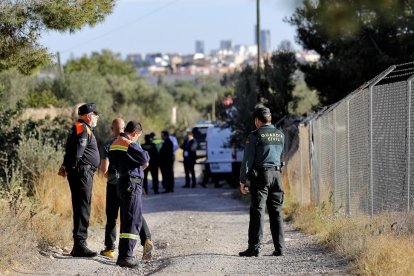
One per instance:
(129, 160)
(152, 150)
(261, 164)
(113, 201)
(167, 162)
(79, 164)
(189, 148)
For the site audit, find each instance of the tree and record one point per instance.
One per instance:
(22, 22)
(356, 40)
(279, 83)
(104, 63)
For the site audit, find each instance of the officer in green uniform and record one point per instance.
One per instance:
(261, 165)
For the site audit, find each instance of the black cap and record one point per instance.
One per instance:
(87, 108)
(261, 110)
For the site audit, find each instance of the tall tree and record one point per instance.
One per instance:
(279, 83)
(356, 40)
(23, 21)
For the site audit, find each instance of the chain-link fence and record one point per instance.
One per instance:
(358, 152)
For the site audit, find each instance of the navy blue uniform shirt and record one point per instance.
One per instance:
(127, 157)
(81, 147)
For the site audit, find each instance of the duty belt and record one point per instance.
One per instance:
(272, 168)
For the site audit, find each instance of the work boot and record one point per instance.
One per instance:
(108, 252)
(128, 262)
(80, 249)
(148, 250)
(278, 253)
(250, 253)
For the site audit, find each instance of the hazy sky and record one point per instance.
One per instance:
(173, 26)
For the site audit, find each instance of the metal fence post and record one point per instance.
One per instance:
(320, 159)
(334, 160)
(348, 160)
(301, 164)
(371, 137)
(311, 154)
(409, 87)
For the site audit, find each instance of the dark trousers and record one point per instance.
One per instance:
(113, 203)
(131, 215)
(81, 183)
(167, 172)
(266, 190)
(189, 169)
(154, 174)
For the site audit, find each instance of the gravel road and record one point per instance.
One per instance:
(199, 231)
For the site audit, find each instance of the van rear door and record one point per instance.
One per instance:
(219, 152)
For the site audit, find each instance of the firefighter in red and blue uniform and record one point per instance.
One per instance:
(79, 164)
(129, 160)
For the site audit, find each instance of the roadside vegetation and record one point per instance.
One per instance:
(378, 245)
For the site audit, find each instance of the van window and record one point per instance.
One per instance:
(219, 138)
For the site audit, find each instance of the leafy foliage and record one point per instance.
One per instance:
(356, 40)
(105, 63)
(275, 90)
(22, 22)
(279, 83)
(23, 142)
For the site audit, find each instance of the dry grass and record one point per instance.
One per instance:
(26, 227)
(381, 245)
(15, 234)
(53, 192)
(387, 255)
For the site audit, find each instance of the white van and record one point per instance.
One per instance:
(223, 160)
(200, 134)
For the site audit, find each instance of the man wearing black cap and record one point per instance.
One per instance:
(261, 165)
(79, 164)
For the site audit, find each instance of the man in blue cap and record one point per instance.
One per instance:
(261, 165)
(79, 164)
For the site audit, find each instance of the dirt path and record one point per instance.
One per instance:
(200, 232)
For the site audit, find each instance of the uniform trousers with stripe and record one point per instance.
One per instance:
(131, 215)
(113, 203)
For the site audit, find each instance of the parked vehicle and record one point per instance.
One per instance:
(200, 134)
(223, 159)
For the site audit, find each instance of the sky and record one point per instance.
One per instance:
(173, 26)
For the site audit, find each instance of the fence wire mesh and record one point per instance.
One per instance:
(359, 152)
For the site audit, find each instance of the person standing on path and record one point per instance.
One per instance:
(261, 165)
(167, 162)
(113, 200)
(80, 162)
(189, 147)
(151, 148)
(129, 160)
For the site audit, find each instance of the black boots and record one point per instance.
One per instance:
(128, 262)
(250, 253)
(80, 249)
(278, 253)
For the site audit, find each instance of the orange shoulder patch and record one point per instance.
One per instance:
(79, 128)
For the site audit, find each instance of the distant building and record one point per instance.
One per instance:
(225, 45)
(157, 59)
(135, 59)
(199, 47)
(286, 46)
(265, 46)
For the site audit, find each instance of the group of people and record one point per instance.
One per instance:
(162, 155)
(126, 165)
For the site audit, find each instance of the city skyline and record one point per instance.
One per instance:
(142, 26)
